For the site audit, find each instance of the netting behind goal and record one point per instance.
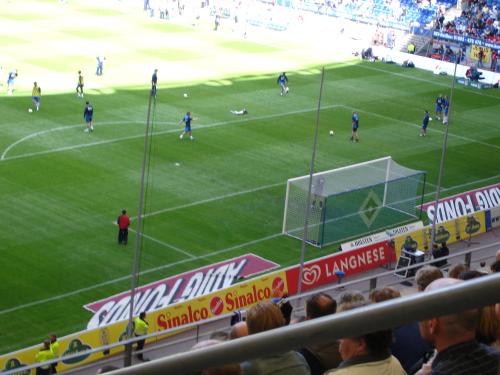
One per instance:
(352, 201)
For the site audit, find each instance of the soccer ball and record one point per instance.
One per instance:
(185, 95)
(430, 118)
(30, 110)
(287, 89)
(331, 132)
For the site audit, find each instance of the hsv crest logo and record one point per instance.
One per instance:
(370, 208)
(311, 274)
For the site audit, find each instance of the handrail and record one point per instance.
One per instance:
(470, 294)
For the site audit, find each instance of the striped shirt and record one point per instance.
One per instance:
(467, 358)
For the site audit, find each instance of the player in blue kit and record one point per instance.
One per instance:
(439, 106)
(88, 113)
(283, 81)
(446, 108)
(425, 122)
(187, 126)
(154, 81)
(355, 125)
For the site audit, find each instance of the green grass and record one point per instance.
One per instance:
(61, 189)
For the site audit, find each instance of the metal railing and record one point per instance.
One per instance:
(467, 295)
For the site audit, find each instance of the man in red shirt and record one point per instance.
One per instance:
(123, 224)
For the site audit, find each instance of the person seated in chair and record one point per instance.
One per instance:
(440, 252)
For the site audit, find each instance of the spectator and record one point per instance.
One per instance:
(453, 336)
(238, 330)
(285, 306)
(427, 275)
(384, 294)
(263, 317)
(407, 345)
(321, 357)
(228, 369)
(367, 354)
(489, 326)
(219, 336)
(495, 266)
(141, 329)
(440, 252)
(54, 347)
(45, 354)
(348, 298)
(493, 65)
(456, 270)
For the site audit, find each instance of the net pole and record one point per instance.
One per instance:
(387, 174)
(286, 206)
(309, 190)
(443, 153)
(127, 359)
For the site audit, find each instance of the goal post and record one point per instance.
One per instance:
(352, 201)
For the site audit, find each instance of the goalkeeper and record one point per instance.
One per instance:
(239, 113)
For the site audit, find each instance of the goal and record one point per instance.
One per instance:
(352, 201)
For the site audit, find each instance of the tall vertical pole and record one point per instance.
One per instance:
(137, 242)
(311, 172)
(443, 153)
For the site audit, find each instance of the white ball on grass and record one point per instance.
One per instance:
(185, 95)
(332, 132)
(30, 110)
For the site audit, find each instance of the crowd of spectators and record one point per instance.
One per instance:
(479, 19)
(469, 340)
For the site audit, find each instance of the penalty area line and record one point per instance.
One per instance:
(119, 139)
(125, 278)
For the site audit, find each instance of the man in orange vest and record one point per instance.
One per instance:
(123, 224)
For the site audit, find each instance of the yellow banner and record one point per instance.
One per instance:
(236, 297)
(451, 231)
(474, 53)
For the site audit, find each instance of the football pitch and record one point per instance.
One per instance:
(206, 200)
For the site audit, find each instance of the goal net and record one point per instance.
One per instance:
(352, 201)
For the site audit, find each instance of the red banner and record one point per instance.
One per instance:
(323, 271)
(186, 286)
(464, 204)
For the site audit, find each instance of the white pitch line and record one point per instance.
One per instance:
(477, 92)
(123, 278)
(167, 266)
(432, 129)
(175, 248)
(98, 143)
(213, 199)
(60, 128)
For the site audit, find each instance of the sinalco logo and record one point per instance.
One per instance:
(370, 208)
(76, 346)
(311, 274)
(442, 235)
(14, 363)
(472, 225)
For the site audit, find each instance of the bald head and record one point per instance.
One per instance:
(448, 330)
(442, 283)
(238, 330)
